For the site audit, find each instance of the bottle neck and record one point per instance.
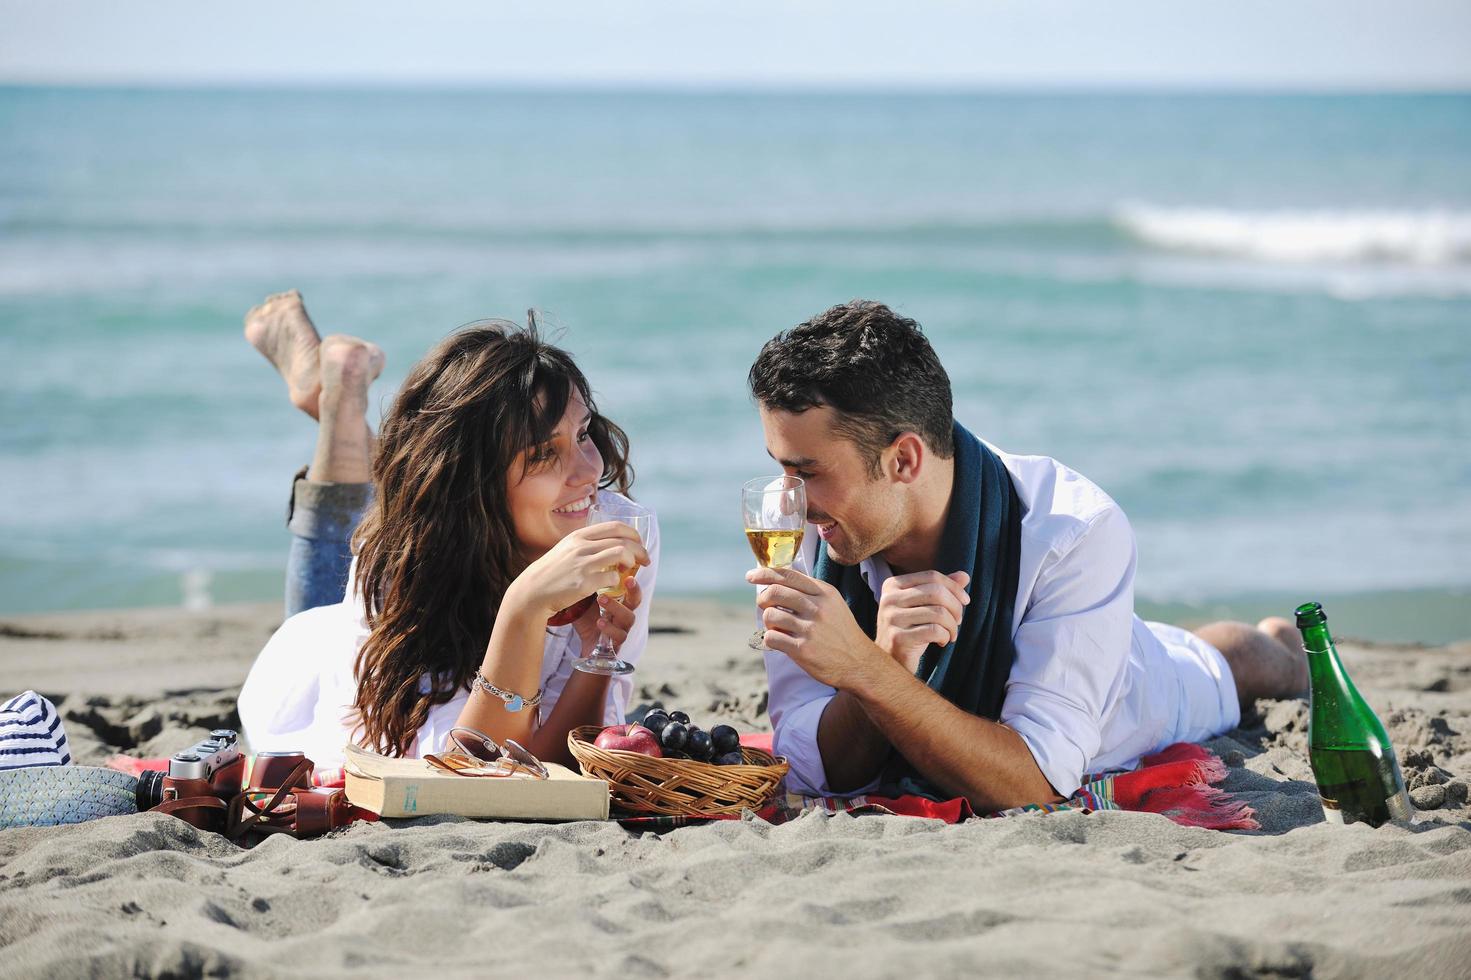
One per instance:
(1324, 667)
(1340, 717)
(1316, 639)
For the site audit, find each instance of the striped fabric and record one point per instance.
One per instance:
(31, 733)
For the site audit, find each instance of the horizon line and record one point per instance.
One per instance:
(741, 86)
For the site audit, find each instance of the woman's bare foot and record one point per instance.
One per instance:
(347, 366)
(280, 329)
(344, 453)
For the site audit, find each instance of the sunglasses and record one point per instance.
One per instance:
(470, 752)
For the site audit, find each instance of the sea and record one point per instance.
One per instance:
(1247, 317)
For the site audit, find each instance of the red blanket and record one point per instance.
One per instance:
(1176, 782)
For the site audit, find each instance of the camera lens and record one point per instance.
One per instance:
(149, 791)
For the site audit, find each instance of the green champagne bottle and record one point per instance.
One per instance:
(1359, 778)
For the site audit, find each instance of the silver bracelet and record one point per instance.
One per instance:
(514, 702)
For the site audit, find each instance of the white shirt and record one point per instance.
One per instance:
(300, 691)
(1093, 687)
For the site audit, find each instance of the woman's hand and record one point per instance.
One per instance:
(610, 617)
(582, 563)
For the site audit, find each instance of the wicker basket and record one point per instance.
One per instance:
(681, 787)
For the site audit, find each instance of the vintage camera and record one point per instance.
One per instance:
(212, 768)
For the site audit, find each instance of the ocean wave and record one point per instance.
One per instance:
(1428, 237)
(1363, 236)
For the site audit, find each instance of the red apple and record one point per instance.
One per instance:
(630, 738)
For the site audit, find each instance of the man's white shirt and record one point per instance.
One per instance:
(1093, 686)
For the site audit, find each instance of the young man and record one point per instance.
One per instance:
(968, 628)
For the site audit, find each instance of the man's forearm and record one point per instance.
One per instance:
(852, 747)
(982, 760)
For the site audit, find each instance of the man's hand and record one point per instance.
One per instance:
(879, 705)
(918, 609)
(808, 621)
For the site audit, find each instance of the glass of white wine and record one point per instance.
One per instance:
(774, 509)
(603, 659)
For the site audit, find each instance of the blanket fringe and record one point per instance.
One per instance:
(1176, 782)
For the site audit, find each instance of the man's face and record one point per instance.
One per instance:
(857, 514)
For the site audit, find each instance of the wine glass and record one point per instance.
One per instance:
(602, 660)
(774, 509)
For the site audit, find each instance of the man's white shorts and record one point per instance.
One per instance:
(1208, 702)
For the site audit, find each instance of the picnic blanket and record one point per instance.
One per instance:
(1176, 782)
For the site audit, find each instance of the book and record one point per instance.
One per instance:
(413, 788)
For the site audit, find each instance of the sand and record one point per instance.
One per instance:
(1104, 893)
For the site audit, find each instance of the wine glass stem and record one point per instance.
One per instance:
(604, 649)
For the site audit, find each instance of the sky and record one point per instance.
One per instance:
(1170, 44)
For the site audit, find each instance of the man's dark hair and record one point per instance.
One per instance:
(874, 368)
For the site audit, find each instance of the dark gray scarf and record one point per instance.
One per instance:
(983, 537)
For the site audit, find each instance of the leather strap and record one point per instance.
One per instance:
(266, 818)
(173, 807)
(291, 809)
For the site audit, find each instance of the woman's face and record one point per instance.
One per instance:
(554, 484)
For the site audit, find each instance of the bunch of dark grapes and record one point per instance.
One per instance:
(680, 739)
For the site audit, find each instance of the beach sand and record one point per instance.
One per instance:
(1104, 893)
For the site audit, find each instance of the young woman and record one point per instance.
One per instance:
(471, 591)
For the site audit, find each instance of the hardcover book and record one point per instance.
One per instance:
(413, 788)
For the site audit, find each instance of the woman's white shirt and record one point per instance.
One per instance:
(300, 691)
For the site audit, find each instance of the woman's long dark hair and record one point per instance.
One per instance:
(438, 547)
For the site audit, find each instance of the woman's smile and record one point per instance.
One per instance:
(575, 510)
